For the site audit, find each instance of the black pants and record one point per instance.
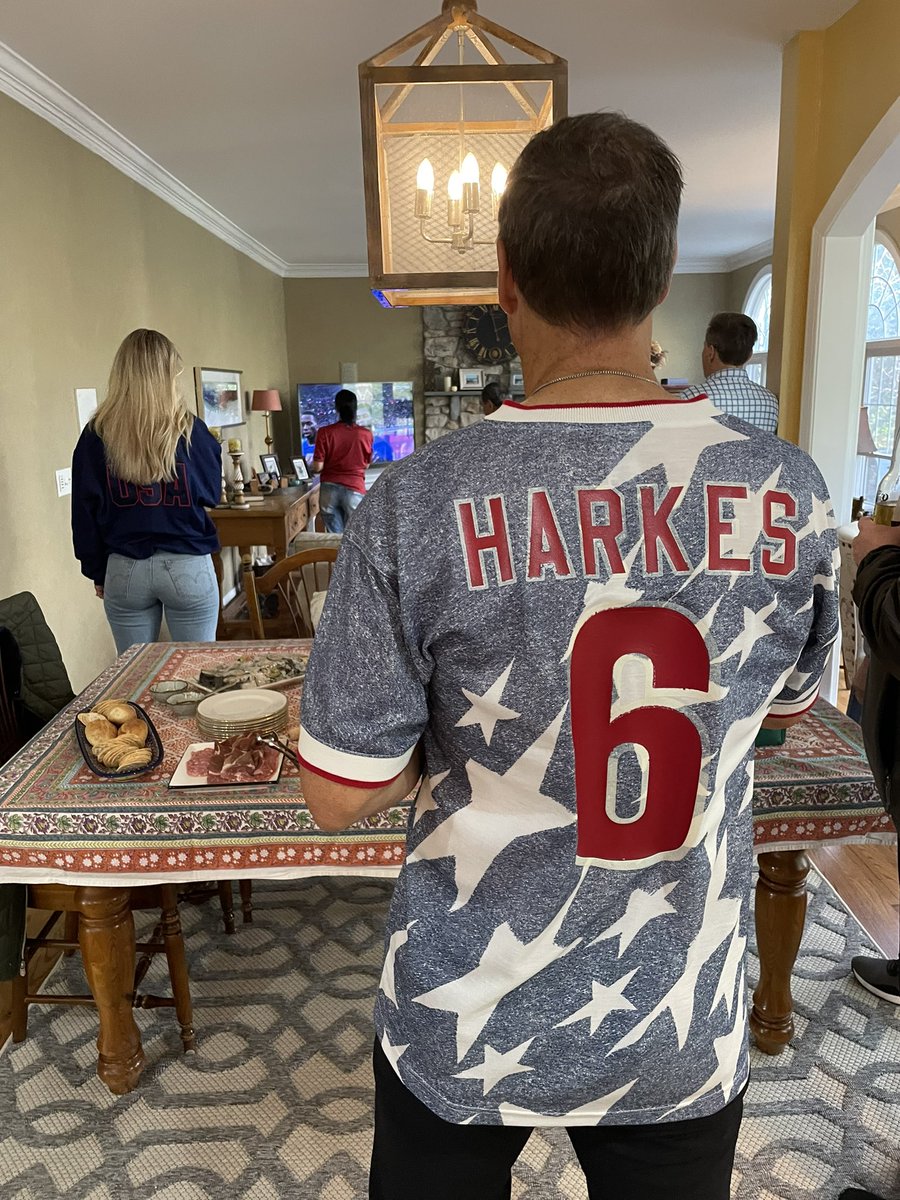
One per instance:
(417, 1156)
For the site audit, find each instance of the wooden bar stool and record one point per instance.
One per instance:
(167, 938)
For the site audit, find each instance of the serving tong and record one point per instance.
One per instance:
(274, 742)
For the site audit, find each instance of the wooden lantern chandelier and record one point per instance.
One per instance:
(432, 130)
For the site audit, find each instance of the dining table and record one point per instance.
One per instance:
(81, 842)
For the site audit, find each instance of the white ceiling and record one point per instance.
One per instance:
(245, 113)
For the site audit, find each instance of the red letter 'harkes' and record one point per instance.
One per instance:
(658, 533)
(606, 532)
(495, 542)
(546, 547)
(598, 520)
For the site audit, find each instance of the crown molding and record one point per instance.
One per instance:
(37, 92)
(752, 254)
(325, 271)
(692, 265)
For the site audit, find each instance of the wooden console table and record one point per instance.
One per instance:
(272, 522)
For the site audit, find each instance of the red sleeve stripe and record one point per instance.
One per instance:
(355, 783)
(342, 766)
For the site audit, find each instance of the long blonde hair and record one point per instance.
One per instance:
(143, 417)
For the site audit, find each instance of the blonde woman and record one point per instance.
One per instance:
(143, 474)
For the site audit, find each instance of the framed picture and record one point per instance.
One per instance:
(300, 468)
(270, 466)
(218, 396)
(262, 478)
(471, 379)
(516, 382)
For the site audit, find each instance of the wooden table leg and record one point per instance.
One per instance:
(106, 934)
(780, 916)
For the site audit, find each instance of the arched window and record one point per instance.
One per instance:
(758, 306)
(881, 382)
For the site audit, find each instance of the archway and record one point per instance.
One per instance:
(839, 276)
(840, 268)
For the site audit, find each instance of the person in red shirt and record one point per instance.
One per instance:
(343, 451)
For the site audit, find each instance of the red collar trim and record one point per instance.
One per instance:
(607, 404)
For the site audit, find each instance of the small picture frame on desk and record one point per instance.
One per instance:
(471, 379)
(300, 468)
(262, 479)
(270, 467)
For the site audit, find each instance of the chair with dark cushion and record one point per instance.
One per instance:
(45, 687)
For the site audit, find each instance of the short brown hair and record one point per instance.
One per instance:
(732, 336)
(589, 221)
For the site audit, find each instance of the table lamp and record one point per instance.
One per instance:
(266, 400)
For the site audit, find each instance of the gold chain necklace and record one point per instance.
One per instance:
(586, 374)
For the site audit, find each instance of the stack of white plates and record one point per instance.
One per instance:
(252, 710)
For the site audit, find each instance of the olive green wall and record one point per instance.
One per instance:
(740, 282)
(680, 322)
(85, 256)
(330, 321)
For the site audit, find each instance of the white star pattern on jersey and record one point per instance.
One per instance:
(641, 909)
(513, 1115)
(487, 710)
(728, 1051)
(665, 443)
(398, 939)
(603, 1001)
(504, 966)
(392, 1053)
(755, 628)
(425, 799)
(502, 809)
(497, 1067)
(721, 916)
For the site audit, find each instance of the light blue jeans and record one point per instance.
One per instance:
(137, 591)
(337, 504)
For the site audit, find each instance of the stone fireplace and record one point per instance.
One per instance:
(444, 354)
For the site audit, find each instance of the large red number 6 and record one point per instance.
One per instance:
(671, 753)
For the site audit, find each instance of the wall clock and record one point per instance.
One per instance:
(486, 334)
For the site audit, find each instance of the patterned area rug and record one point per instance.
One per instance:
(277, 1101)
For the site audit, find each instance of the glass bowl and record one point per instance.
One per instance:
(184, 704)
(166, 688)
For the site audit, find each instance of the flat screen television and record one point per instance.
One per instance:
(387, 408)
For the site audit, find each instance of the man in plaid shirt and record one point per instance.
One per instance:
(729, 343)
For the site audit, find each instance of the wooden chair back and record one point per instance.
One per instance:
(295, 580)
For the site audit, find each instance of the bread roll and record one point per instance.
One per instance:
(99, 731)
(117, 711)
(88, 717)
(134, 731)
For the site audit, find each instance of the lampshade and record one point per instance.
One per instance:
(266, 400)
(865, 443)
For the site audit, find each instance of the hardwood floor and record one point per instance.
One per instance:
(865, 878)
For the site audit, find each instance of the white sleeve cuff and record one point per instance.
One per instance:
(354, 770)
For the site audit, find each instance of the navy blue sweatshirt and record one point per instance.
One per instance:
(110, 516)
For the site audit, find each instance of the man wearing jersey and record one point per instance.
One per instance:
(571, 619)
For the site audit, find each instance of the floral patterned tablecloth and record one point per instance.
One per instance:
(60, 823)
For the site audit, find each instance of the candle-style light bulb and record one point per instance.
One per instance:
(499, 176)
(469, 169)
(424, 188)
(470, 178)
(454, 200)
